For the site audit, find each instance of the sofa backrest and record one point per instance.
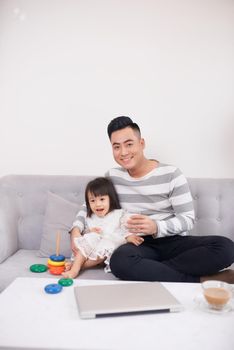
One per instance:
(214, 206)
(29, 192)
(213, 202)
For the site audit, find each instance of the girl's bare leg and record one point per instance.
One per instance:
(91, 263)
(75, 267)
(80, 262)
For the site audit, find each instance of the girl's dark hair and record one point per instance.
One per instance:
(121, 123)
(102, 186)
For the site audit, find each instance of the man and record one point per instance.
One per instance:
(160, 199)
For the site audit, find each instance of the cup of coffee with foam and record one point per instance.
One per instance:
(217, 293)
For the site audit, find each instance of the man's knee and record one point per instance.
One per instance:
(122, 260)
(228, 249)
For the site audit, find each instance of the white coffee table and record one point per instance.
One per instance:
(32, 319)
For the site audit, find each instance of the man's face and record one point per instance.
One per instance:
(127, 147)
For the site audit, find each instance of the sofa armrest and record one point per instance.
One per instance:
(8, 226)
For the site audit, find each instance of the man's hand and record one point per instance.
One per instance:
(141, 224)
(74, 233)
(137, 240)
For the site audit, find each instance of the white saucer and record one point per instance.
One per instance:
(202, 304)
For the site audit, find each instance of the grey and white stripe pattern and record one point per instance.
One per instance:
(163, 194)
(80, 221)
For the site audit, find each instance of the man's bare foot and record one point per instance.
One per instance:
(224, 276)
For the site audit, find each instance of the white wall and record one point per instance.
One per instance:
(68, 67)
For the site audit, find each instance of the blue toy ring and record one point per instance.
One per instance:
(53, 288)
(55, 257)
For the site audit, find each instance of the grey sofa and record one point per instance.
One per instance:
(23, 200)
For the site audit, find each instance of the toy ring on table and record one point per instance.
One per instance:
(56, 270)
(38, 268)
(55, 257)
(65, 282)
(53, 288)
(55, 263)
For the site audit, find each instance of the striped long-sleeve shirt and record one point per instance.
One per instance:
(163, 194)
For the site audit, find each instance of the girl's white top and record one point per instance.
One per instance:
(95, 245)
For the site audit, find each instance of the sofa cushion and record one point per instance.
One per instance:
(18, 265)
(59, 216)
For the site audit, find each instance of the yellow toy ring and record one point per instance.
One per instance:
(56, 263)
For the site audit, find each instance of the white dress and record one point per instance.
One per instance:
(94, 245)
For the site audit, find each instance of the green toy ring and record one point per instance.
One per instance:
(65, 282)
(38, 268)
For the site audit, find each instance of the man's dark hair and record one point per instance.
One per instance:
(121, 123)
(102, 186)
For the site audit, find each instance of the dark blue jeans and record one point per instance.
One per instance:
(172, 259)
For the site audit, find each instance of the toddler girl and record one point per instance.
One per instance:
(103, 230)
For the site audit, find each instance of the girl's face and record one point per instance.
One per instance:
(100, 205)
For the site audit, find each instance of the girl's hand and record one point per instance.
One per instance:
(68, 265)
(137, 240)
(74, 248)
(142, 224)
(95, 229)
(74, 234)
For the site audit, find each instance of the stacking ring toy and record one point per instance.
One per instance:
(53, 288)
(55, 263)
(38, 268)
(65, 282)
(55, 257)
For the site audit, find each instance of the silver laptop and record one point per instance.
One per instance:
(124, 299)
